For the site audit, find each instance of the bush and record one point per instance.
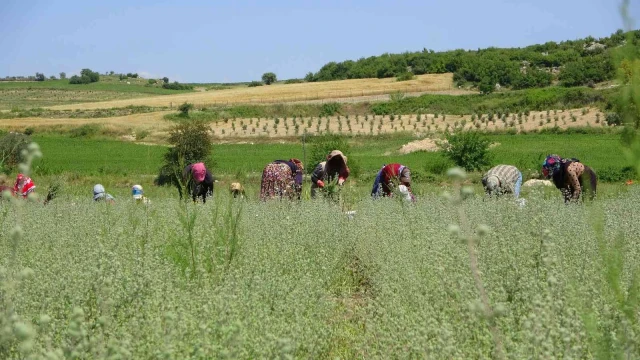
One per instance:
(468, 150)
(86, 77)
(330, 109)
(152, 81)
(11, 146)
(269, 78)
(255, 83)
(184, 108)
(177, 86)
(612, 174)
(191, 144)
(294, 81)
(165, 80)
(40, 76)
(613, 118)
(63, 75)
(408, 75)
(86, 130)
(322, 145)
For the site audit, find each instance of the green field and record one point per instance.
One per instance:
(94, 156)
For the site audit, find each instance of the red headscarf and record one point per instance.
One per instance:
(23, 186)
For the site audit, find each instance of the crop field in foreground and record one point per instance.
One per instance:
(242, 279)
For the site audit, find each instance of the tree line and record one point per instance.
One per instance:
(572, 63)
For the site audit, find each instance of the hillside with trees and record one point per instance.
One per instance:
(569, 63)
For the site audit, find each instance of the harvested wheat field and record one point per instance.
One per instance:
(437, 83)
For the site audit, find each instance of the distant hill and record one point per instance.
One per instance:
(571, 63)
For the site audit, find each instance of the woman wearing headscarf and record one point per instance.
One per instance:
(198, 180)
(389, 177)
(282, 179)
(99, 194)
(570, 176)
(327, 171)
(23, 186)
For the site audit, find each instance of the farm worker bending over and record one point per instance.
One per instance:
(23, 186)
(502, 179)
(198, 180)
(237, 190)
(282, 179)
(570, 176)
(336, 165)
(389, 177)
(138, 194)
(99, 194)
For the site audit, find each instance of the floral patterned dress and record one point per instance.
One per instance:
(278, 181)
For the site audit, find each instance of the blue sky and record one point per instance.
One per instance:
(228, 41)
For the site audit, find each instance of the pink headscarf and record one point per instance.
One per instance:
(198, 171)
(24, 185)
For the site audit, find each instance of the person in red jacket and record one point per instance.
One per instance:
(389, 177)
(23, 186)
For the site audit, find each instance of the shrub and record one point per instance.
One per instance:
(191, 143)
(185, 108)
(294, 81)
(330, 109)
(405, 76)
(467, 149)
(396, 96)
(165, 80)
(255, 83)
(613, 118)
(40, 76)
(152, 81)
(11, 146)
(177, 86)
(86, 130)
(269, 78)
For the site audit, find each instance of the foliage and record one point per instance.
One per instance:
(152, 81)
(86, 130)
(86, 77)
(515, 67)
(405, 76)
(255, 83)
(165, 80)
(11, 147)
(40, 77)
(177, 86)
(322, 145)
(293, 81)
(185, 108)
(269, 78)
(468, 149)
(191, 143)
(63, 75)
(330, 109)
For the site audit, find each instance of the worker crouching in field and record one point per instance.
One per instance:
(99, 194)
(282, 179)
(198, 181)
(137, 192)
(237, 190)
(327, 171)
(502, 179)
(389, 177)
(23, 186)
(570, 176)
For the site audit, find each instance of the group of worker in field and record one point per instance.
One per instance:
(284, 178)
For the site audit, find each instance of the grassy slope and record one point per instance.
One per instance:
(57, 92)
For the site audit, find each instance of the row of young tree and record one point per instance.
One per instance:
(577, 62)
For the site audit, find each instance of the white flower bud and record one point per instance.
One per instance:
(457, 173)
